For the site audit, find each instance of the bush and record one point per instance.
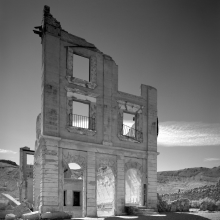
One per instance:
(208, 204)
(217, 206)
(195, 204)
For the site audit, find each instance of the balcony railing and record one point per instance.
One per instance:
(130, 132)
(82, 121)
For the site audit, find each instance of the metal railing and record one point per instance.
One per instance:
(82, 121)
(131, 132)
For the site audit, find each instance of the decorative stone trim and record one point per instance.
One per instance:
(82, 131)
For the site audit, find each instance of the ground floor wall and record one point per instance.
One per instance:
(55, 154)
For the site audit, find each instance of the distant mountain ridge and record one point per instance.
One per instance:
(186, 179)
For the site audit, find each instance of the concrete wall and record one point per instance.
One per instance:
(58, 142)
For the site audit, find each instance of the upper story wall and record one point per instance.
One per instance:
(61, 89)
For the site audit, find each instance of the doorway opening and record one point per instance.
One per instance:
(133, 187)
(105, 192)
(73, 189)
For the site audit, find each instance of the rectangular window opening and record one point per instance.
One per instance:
(30, 159)
(81, 67)
(128, 127)
(80, 115)
(76, 198)
(64, 198)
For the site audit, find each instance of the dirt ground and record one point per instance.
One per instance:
(175, 216)
(172, 216)
(208, 215)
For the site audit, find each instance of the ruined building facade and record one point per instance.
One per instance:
(117, 165)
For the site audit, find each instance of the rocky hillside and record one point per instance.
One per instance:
(212, 192)
(9, 176)
(186, 179)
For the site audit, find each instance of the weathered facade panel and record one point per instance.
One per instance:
(107, 151)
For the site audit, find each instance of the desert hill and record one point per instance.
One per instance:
(9, 177)
(186, 179)
(8, 162)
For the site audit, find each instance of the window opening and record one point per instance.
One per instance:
(75, 171)
(64, 198)
(81, 67)
(74, 166)
(105, 192)
(128, 127)
(80, 116)
(76, 198)
(30, 159)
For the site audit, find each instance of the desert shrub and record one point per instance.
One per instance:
(208, 204)
(217, 205)
(195, 204)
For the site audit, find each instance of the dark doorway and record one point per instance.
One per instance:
(76, 198)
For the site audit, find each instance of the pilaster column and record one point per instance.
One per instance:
(151, 200)
(120, 186)
(49, 190)
(91, 185)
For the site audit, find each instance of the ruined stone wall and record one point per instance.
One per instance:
(59, 142)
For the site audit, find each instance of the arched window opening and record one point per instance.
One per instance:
(73, 171)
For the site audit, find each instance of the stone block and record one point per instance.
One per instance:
(49, 189)
(52, 185)
(54, 193)
(10, 217)
(31, 216)
(55, 215)
(91, 211)
(91, 195)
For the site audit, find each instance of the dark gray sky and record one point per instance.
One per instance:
(171, 45)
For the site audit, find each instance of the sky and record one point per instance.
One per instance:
(168, 44)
